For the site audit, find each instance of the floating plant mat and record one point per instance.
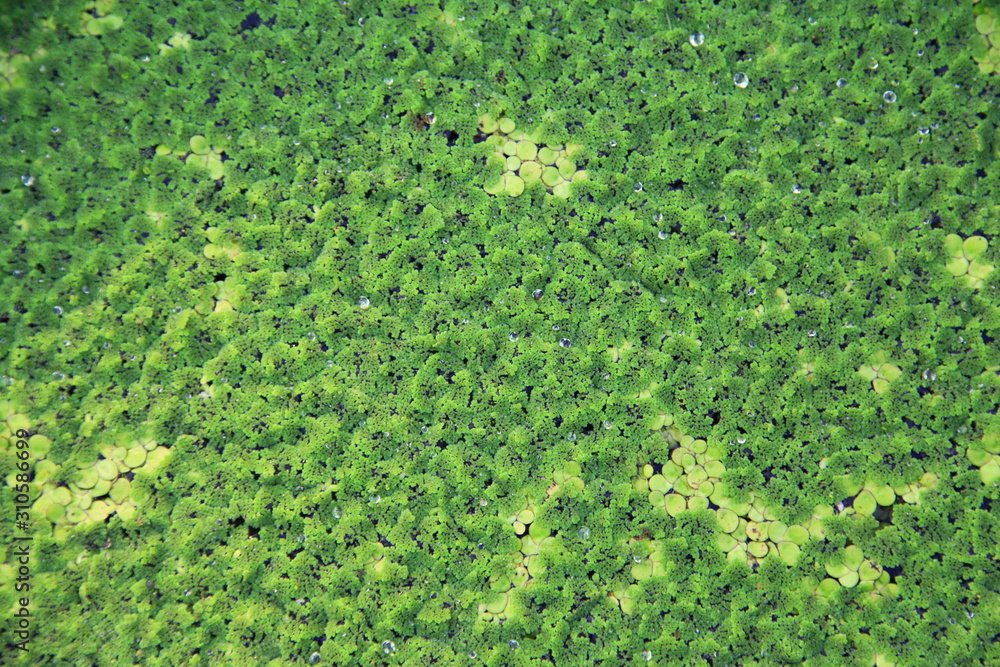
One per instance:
(594, 333)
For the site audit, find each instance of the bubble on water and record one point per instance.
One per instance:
(310, 335)
(924, 130)
(841, 83)
(889, 96)
(57, 310)
(796, 189)
(607, 424)
(387, 80)
(564, 342)
(647, 655)
(741, 80)
(571, 437)
(657, 217)
(28, 180)
(584, 533)
(696, 39)
(812, 333)
(612, 143)
(364, 302)
(537, 294)
(637, 187)
(374, 499)
(513, 643)
(662, 234)
(58, 376)
(811, 21)
(388, 647)
(742, 440)
(513, 336)
(315, 658)
(472, 655)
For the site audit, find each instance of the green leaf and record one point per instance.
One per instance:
(659, 483)
(953, 245)
(199, 144)
(865, 503)
(884, 495)
(849, 580)
(788, 552)
(990, 473)
(797, 534)
(974, 246)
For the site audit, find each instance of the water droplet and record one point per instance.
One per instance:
(57, 310)
(374, 499)
(58, 376)
(28, 180)
(513, 336)
(56, 130)
(637, 187)
(361, 21)
(387, 80)
(564, 342)
(364, 302)
(811, 21)
(741, 80)
(607, 424)
(924, 130)
(812, 333)
(388, 647)
(472, 655)
(647, 655)
(696, 39)
(889, 96)
(751, 291)
(311, 336)
(571, 437)
(662, 234)
(796, 189)
(430, 118)
(513, 643)
(612, 143)
(556, 327)
(841, 83)
(742, 440)
(537, 294)
(657, 217)
(85, 289)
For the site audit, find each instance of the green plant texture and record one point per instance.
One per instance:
(500, 333)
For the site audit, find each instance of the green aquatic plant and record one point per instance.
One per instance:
(965, 262)
(986, 456)
(500, 335)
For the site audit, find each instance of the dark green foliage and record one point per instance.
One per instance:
(364, 365)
